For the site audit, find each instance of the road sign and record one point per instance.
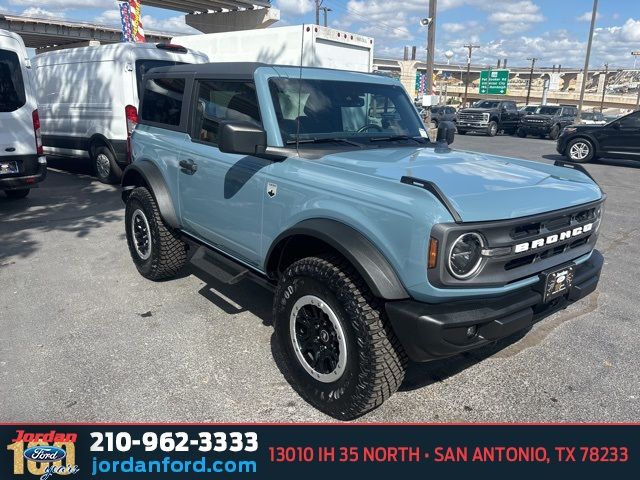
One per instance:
(494, 82)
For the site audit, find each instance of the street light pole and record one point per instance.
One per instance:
(431, 42)
(604, 87)
(325, 11)
(585, 72)
(469, 47)
(533, 63)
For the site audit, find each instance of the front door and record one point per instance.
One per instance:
(221, 194)
(623, 136)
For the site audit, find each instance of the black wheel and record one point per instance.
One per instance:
(554, 133)
(155, 248)
(16, 194)
(341, 353)
(462, 132)
(542, 135)
(521, 132)
(105, 166)
(580, 150)
(492, 129)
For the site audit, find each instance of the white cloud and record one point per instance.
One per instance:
(586, 16)
(630, 31)
(295, 7)
(453, 27)
(38, 12)
(167, 25)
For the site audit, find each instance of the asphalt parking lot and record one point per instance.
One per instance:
(85, 338)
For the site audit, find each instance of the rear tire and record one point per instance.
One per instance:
(580, 150)
(17, 194)
(155, 248)
(105, 166)
(340, 351)
(555, 132)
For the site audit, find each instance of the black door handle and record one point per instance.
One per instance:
(188, 166)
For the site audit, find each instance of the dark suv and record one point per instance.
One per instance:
(618, 139)
(548, 120)
(443, 113)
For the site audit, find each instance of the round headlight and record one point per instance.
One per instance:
(465, 255)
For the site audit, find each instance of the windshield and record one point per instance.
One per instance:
(340, 109)
(547, 110)
(486, 104)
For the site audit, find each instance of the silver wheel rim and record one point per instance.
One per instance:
(308, 306)
(579, 151)
(103, 165)
(494, 129)
(141, 234)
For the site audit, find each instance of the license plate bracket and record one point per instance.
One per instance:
(7, 168)
(557, 282)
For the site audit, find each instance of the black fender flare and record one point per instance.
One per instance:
(145, 173)
(370, 263)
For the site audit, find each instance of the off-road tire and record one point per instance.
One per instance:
(554, 133)
(17, 194)
(521, 132)
(376, 362)
(168, 252)
(114, 173)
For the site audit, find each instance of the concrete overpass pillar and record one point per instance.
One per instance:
(217, 22)
(602, 81)
(408, 71)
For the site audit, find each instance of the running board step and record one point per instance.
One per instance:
(218, 266)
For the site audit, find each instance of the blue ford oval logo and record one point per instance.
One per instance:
(44, 454)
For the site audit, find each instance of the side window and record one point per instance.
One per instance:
(162, 101)
(223, 101)
(511, 107)
(630, 121)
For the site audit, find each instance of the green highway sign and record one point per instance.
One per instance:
(494, 82)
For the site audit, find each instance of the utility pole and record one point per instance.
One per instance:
(431, 43)
(604, 87)
(585, 72)
(533, 63)
(325, 10)
(469, 47)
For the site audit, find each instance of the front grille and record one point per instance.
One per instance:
(547, 241)
(534, 121)
(471, 116)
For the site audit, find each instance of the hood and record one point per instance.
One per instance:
(475, 110)
(537, 116)
(480, 187)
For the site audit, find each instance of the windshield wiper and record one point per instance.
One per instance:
(324, 140)
(393, 138)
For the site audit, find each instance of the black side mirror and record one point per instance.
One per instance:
(243, 138)
(446, 134)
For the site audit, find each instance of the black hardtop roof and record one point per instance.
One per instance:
(220, 68)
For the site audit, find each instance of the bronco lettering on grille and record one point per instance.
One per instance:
(557, 237)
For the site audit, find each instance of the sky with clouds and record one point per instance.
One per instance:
(553, 30)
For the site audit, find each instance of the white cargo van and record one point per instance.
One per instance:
(22, 162)
(88, 99)
(321, 47)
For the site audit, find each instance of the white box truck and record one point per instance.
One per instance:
(321, 47)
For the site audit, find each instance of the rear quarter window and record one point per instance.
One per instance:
(12, 95)
(163, 100)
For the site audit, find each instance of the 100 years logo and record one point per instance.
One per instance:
(45, 453)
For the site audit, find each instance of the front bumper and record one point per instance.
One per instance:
(472, 125)
(31, 171)
(536, 129)
(432, 331)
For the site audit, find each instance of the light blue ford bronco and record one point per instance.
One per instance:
(380, 246)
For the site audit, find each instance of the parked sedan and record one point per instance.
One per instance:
(617, 139)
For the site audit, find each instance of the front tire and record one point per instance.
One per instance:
(155, 248)
(580, 150)
(521, 132)
(339, 349)
(17, 194)
(462, 132)
(492, 129)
